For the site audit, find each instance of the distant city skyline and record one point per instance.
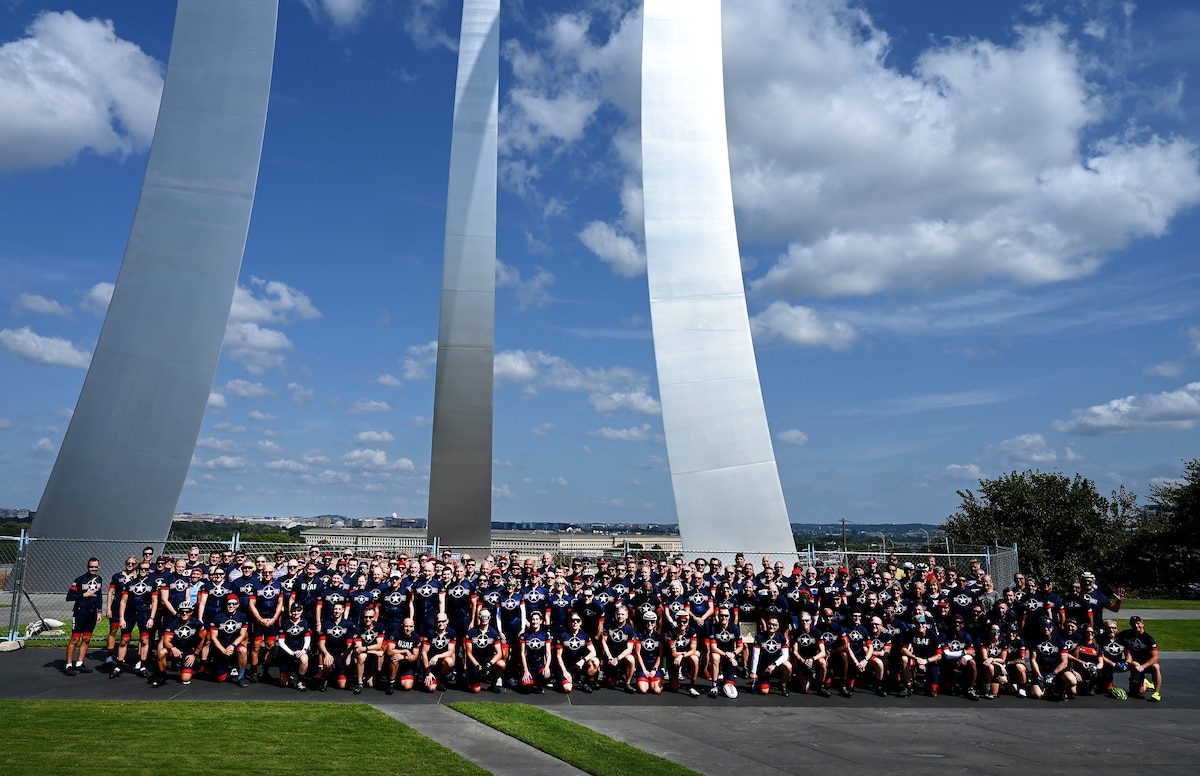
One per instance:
(968, 236)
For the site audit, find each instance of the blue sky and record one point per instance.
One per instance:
(968, 232)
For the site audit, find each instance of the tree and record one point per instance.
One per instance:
(1061, 526)
(1165, 547)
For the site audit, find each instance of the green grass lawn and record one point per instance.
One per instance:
(585, 749)
(102, 737)
(1155, 603)
(1174, 635)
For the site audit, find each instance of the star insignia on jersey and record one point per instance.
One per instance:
(268, 592)
(574, 643)
(426, 590)
(1047, 648)
(231, 626)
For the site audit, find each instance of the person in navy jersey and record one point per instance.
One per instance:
(1084, 660)
(616, 650)
(1097, 601)
(923, 648)
(1145, 672)
(490, 593)
(336, 646)
(461, 601)
(484, 653)
(1075, 607)
(860, 649)
(604, 595)
(393, 602)
(176, 590)
(139, 605)
(86, 595)
(772, 603)
(335, 592)
(644, 598)
(682, 655)
(403, 656)
(575, 657)
(809, 657)
(1114, 657)
(880, 654)
(427, 600)
(769, 658)
(227, 638)
(700, 603)
(958, 658)
(511, 612)
(837, 650)
(265, 611)
(560, 603)
(213, 598)
(1049, 658)
(112, 607)
(991, 656)
(180, 646)
(295, 640)
(648, 655)
(591, 612)
(725, 647)
(307, 591)
(369, 651)
(362, 596)
(438, 654)
(536, 646)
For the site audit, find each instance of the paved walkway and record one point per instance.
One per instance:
(756, 735)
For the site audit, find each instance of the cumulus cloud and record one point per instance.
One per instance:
(5, 424)
(43, 445)
(1177, 410)
(29, 346)
(216, 402)
(373, 437)
(260, 415)
(72, 85)
(96, 299)
(533, 292)
(797, 325)
(961, 471)
(342, 13)
(642, 433)
(218, 445)
(542, 430)
(285, 465)
(363, 406)
(39, 305)
(225, 463)
(610, 390)
(560, 481)
(420, 360)
(388, 381)
(1031, 448)
(981, 160)
(375, 460)
(301, 394)
(421, 22)
(792, 436)
(246, 389)
(255, 346)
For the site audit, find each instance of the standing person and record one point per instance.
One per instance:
(725, 647)
(87, 596)
(139, 605)
(112, 608)
(1097, 601)
(265, 613)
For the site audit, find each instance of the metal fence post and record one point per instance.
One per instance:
(18, 578)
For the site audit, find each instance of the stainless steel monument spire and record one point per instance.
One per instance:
(460, 472)
(727, 490)
(126, 452)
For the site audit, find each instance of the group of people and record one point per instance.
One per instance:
(639, 625)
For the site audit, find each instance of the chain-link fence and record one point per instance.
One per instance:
(999, 563)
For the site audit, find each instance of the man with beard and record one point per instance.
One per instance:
(809, 658)
(86, 595)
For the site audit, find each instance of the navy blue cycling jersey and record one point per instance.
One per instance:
(649, 646)
(185, 633)
(958, 644)
(440, 642)
(268, 595)
(460, 599)
(561, 604)
(307, 591)
(509, 611)
(294, 632)
(770, 647)
(90, 605)
(699, 601)
(138, 595)
(485, 643)
(807, 642)
(573, 647)
(858, 638)
(1048, 651)
(359, 599)
(227, 627)
(923, 645)
(536, 599)
(535, 643)
(618, 637)
(338, 635)
(1140, 645)
(425, 595)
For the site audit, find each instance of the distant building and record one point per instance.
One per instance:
(391, 540)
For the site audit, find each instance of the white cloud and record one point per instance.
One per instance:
(610, 390)
(559, 481)
(421, 24)
(343, 13)
(642, 433)
(246, 389)
(225, 462)
(46, 351)
(285, 465)
(255, 347)
(230, 428)
(960, 471)
(300, 394)
(1031, 448)
(39, 305)
(370, 405)
(542, 430)
(278, 303)
(373, 437)
(802, 326)
(327, 477)
(420, 359)
(502, 491)
(72, 85)
(218, 445)
(375, 460)
(43, 445)
(1177, 410)
(5, 424)
(259, 415)
(530, 293)
(617, 250)
(388, 381)
(96, 299)
(792, 436)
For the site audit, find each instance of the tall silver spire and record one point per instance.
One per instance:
(727, 490)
